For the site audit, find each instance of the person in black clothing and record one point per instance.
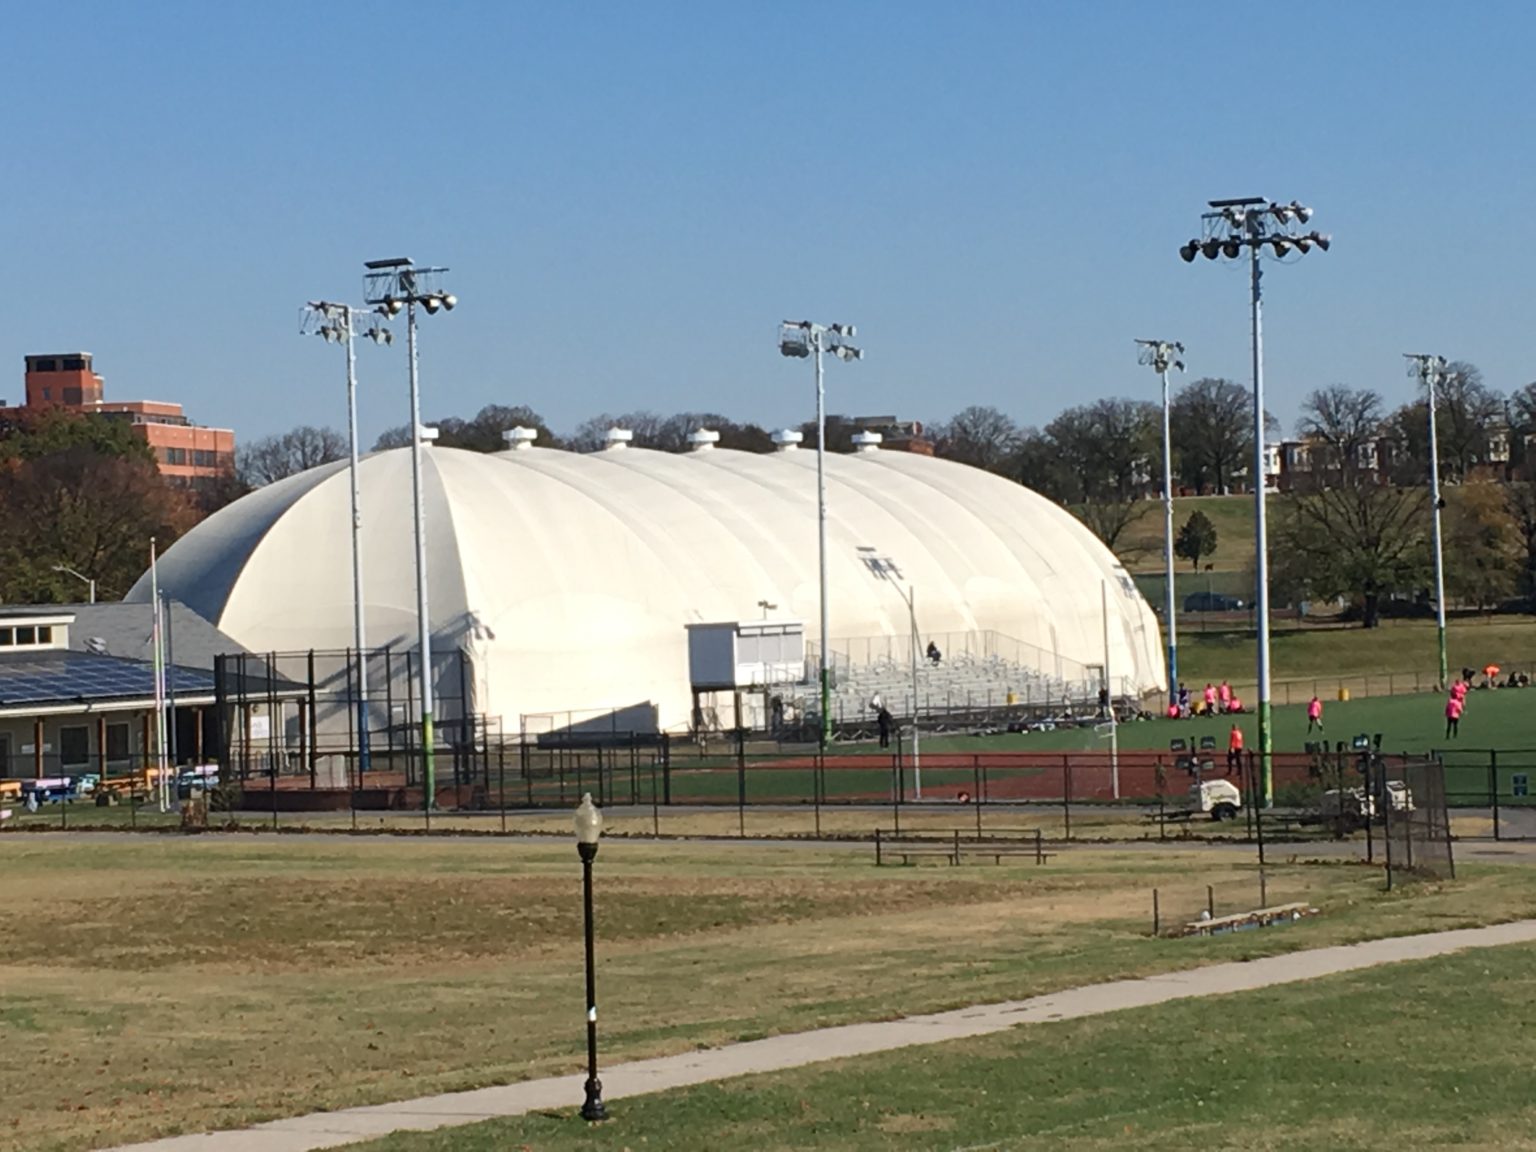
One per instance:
(933, 652)
(883, 719)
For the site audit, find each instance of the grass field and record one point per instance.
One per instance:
(1402, 648)
(1497, 719)
(1417, 1055)
(149, 986)
(1232, 516)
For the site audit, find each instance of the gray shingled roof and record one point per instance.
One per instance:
(124, 630)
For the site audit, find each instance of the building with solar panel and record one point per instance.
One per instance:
(565, 584)
(77, 690)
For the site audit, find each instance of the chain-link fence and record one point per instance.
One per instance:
(1416, 821)
(1491, 792)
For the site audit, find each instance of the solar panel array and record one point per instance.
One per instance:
(60, 677)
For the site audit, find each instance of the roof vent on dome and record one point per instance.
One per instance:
(703, 440)
(520, 439)
(787, 440)
(866, 441)
(618, 438)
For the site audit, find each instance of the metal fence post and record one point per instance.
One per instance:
(1493, 789)
(1066, 794)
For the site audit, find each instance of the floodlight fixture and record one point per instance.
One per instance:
(1163, 355)
(1228, 229)
(338, 323)
(800, 339)
(393, 286)
(1431, 370)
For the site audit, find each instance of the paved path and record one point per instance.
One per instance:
(332, 1129)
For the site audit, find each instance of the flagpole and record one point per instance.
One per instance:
(159, 666)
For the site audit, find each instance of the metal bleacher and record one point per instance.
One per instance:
(964, 688)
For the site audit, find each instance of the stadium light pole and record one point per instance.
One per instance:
(337, 324)
(1430, 370)
(799, 339)
(1163, 355)
(389, 286)
(67, 570)
(1230, 227)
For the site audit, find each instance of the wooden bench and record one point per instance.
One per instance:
(956, 844)
(1259, 918)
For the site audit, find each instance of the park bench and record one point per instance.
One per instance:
(956, 844)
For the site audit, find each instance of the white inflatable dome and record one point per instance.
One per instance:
(577, 574)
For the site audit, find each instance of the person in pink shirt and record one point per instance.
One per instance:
(1453, 710)
(1210, 699)
(1224, 694)
(1459, 690)
(1314, 714)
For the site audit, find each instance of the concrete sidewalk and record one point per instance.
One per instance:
(332, 1129)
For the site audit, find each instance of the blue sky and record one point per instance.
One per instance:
(630, 196)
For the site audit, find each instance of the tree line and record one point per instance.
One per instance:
(81, 491)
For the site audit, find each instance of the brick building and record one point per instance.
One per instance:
(188, 454)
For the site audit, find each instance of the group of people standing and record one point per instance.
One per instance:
(1217, 700)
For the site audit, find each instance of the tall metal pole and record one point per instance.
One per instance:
(1109, 699)
(821, 538)
(423, 620)
(357, 553)
(1430, 372)
(917, 761)
(1170, 601)
(170, 676)
(1261, 535)
(156, 637)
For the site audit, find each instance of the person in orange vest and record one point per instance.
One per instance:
(1234, 749)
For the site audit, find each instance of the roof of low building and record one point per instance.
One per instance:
(48, 679)
(118, 628)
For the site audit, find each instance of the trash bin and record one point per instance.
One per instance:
(1343, 693)
(1013, 698)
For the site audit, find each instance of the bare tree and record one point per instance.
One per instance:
(1465, 412)
(980, 436)
(1520, 503)
(1341, 422)
(1364, 542)
(1212, 423)
(1108, 447)
(1112, 521)
(274, 458)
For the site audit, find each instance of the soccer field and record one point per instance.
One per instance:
(1415, 724)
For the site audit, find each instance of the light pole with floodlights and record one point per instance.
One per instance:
(1431, 370)
(589, 830)
(389, 286)
(1231, 226)
(337, 324)
(799, 339)
(67, 570)
(1163, 355)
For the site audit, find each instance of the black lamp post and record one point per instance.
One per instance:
(589, 828)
